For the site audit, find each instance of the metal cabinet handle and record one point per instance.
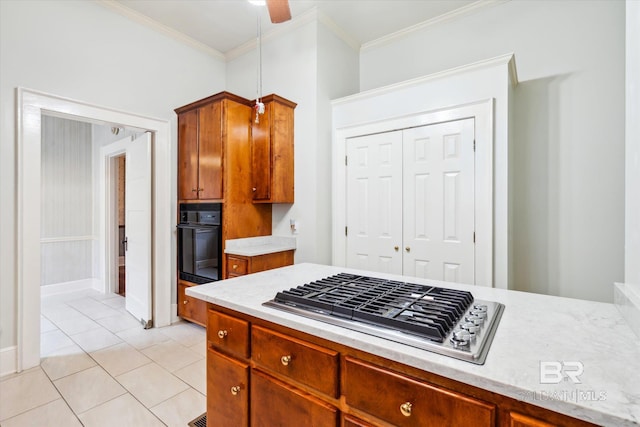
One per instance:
(408, 249)
(235, 390)
(185, 301)
(254, 189)
(405, 409)
(235, 266)
(396, 248)
(200, 189)
(285, 360)
(222, 333)
(193, 190)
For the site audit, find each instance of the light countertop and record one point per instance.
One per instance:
(534, 329)
(254, 246)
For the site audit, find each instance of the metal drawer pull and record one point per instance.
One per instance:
(408, 249)
(222, 333)
(396, 248)
(235, 266)
(285, 360)
(405, 408)
(235, 390)
(185, 301)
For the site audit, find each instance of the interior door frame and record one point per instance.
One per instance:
(31, 104)
(107, 260)
(483, 113)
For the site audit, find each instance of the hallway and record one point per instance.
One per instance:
(100, 368)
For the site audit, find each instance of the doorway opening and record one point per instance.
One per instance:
(121, 164)
(32, 105)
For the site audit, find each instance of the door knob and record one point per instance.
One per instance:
(408, 249)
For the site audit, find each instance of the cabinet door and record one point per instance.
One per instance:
(274, 403)
(191, 308)
(227, 391)
(188, 155)
(261, 155)
(210, 151)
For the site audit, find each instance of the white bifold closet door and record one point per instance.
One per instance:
(410, 202)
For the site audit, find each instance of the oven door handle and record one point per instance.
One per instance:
(196, 227)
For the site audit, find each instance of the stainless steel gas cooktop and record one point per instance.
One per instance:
(442, 320)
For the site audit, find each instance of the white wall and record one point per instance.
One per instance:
(309, 66)
(632, 179)
(83, 51)
(66, 226)
(568, 187)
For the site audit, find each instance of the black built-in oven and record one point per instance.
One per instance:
(200, 242)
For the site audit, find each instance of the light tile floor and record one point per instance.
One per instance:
(100, 368)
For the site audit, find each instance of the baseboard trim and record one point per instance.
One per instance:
(64, 287)
(8, 361)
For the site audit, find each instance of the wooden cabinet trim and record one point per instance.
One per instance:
(213, 98)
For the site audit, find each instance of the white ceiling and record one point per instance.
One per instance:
(224, 25)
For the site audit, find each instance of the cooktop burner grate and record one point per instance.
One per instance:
(447, 321)
(423, 310)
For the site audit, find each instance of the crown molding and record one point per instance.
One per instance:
(450, 16)
(155, 25)
(508, 59)
(338, 31)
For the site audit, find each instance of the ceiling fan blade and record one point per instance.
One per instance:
(279, 10)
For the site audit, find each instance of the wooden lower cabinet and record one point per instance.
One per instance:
(192, 309)
(239, 265)
(275, 403)
(263, 375)
(227, 391)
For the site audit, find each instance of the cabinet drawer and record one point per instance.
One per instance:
(237, 266)
(227, 390)
(301, 361)
(274, 403)
(191, 308)
(228, 334)
(403, 401)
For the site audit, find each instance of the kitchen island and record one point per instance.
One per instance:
(551, 358)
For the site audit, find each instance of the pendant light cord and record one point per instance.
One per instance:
(259, 80)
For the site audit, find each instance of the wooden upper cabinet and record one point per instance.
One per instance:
(203, 127)
(188, 155)
(272, 152)
(210, 151)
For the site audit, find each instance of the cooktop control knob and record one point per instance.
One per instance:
(460, 337)
(479, 313)
(480, 307)
(476, 320)
(471, 327)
